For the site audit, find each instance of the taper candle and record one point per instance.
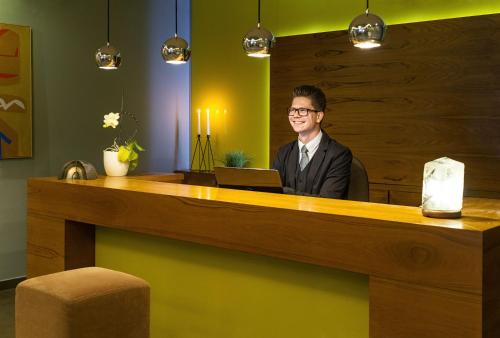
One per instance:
(208, 121)
(199, 121)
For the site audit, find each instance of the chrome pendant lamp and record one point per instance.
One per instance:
(108, 57)
(259, 41)
(175, 50)
(367, 30)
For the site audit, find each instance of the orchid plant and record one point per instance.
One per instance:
(128, 149)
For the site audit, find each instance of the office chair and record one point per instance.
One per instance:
(358, 185)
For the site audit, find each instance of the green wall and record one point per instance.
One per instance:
(222, 76)
(203, 292)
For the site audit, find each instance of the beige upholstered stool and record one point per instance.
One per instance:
(89, 302)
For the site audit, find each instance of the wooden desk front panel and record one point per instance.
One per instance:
(388, 243)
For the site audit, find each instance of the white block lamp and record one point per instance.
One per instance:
(443, 188)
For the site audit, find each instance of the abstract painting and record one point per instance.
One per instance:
(15, 92)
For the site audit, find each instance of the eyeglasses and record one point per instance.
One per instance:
(301, 111)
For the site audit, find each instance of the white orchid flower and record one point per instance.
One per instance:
(111, 120)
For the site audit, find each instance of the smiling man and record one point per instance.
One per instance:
(315, 164)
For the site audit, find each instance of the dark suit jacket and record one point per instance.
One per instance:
(329, 172)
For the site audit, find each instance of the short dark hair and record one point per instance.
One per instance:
(315, 94)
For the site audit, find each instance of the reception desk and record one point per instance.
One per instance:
(427, 277)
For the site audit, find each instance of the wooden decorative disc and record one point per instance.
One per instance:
(441, 214)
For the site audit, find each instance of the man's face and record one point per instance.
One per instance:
(304, 124)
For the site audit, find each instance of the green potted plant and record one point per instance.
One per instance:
(123, 154)
(236, 159)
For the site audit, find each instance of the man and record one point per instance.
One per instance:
(315, 164)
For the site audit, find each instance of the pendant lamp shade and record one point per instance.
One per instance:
(259, 41)
(367, 30)
(175, 50)
(108, 57)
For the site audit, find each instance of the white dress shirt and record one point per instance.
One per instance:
(311, 146)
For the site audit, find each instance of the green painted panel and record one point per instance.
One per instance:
(200, 291)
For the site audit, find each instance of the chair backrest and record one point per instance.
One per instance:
(358, 185)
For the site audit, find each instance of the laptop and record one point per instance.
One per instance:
(267, 180)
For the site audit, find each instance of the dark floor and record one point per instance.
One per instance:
(7, 313)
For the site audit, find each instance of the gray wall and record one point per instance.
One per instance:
(70, 96)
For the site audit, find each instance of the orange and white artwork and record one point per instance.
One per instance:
(15, 92)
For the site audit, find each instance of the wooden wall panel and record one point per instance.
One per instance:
(432, 90)
(379, 196)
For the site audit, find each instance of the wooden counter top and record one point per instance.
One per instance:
(479, 214)
(451, 264)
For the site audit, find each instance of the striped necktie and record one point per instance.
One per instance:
(304, 160)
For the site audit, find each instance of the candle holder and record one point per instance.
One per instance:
(207, 150)
(201, 156)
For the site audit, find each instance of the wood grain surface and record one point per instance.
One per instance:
(161, 177)
(400, 310)
(390, 241)
(247, 177)
(413, 262)
(56, 244)
(491, 282)
(45, 244)
(432, 90)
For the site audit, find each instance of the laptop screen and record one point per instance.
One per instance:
(267, 180)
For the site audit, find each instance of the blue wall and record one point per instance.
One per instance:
(169, 89)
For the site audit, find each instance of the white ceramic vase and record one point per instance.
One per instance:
(112, 165)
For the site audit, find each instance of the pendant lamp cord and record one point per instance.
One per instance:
(258, 12)
(175, 18)
(108, 21)
(367, 6)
